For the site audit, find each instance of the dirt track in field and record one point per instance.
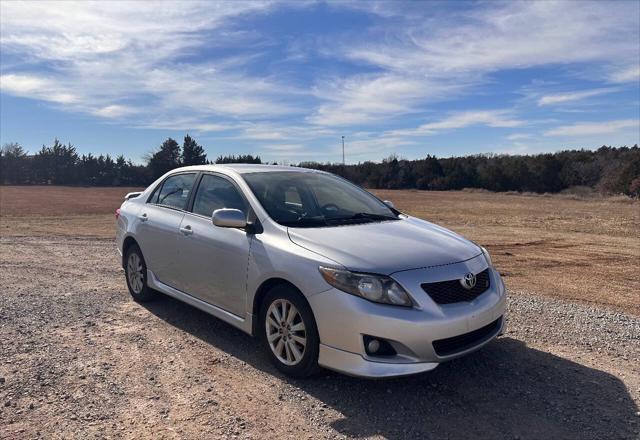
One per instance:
(79, 359)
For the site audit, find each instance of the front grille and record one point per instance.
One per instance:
(448, 292)
(460, 343)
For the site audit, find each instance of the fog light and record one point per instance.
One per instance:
(378, 346)
(373, 346)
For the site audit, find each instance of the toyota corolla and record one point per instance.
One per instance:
(321, 271)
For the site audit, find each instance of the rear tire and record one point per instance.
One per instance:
(135, 270)
(288, 332)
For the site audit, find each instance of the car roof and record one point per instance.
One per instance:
(244, 168)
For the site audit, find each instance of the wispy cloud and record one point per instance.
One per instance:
(628, 74)
(368, 98)
(489, 118)
(500, 36)
(37, 87)
(518, 136)
(493, 118)
(114, 111)
(426, 60)
(560, 98)
(409, 70)
(279, 132)
(188, 124)
(595, 128)
(105, 59)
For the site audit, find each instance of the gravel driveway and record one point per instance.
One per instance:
(79, 359)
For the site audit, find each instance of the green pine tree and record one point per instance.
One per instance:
(165, 159)
(192, 153)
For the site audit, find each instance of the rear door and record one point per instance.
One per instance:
(158, 230)
(214, 259)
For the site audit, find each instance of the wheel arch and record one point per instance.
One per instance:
(126, 244)
(261, 292)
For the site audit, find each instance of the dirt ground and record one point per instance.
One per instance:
(79, 359)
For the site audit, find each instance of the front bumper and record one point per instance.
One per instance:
(343, 319)
(357, 365)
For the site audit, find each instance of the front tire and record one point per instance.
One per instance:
(289, 333)
(135, 270)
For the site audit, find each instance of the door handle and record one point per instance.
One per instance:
(143, 217)
(186, 230)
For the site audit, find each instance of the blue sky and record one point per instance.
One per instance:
(286, 80)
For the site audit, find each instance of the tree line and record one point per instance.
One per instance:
(61, 164)
(607, 169)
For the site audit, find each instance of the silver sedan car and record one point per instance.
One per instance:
(321, 271)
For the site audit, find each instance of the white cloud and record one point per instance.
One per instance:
(366, 98)
(71, 31)
(594, 128)
(22, 84)
(428, 55)
(507, 35)
(114, 111)
(262, 133)
(629, 74)
(209, 127)
(188, 124)
(37, 87)
(104, 59)
(139, 62)
(465, 119)
(518, 136)
(282, 132)
(490, 118)
(572, 96)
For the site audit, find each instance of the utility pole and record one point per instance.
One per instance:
(342, 150)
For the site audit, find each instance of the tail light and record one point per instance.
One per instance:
(117, 213)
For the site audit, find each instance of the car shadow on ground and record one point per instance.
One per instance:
(505, 390)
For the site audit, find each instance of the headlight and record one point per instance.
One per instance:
(376, 288)
(486, 256)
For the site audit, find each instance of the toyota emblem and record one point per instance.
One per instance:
(468, 281)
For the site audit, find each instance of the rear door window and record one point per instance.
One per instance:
(175, 191)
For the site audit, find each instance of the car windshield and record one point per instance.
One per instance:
(310, 199)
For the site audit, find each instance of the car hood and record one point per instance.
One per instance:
(386, 247)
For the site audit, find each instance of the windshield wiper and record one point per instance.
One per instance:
(363, 216)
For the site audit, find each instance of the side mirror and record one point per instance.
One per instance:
(229, 218)
(389, 203)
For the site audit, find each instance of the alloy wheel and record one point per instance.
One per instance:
(286, 332)
(135, 272)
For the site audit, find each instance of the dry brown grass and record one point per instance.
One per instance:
(21, 201)
(580, 249)
(59, 210)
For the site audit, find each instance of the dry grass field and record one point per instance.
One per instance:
(579, 249)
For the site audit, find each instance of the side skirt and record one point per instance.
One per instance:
(236, 321)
